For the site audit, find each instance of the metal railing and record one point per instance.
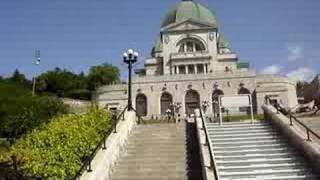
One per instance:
(209, 144)
(292, 118)
(86, 166)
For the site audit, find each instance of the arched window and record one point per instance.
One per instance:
(165, 102)
(191, 45)
(141, 105)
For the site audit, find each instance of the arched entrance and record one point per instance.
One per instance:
(215, 101)
(244, 90)
(192, 101)
(141, 105)
(165, 102)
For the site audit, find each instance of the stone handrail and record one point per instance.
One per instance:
(105, 160)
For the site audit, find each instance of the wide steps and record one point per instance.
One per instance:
(154, 152)
(255, 151)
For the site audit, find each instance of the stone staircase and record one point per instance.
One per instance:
(245, 151)
(154, 152)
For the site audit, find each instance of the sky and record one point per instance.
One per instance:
(274, 36)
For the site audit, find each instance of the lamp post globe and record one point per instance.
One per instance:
(130, 57)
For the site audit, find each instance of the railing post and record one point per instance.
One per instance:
(114, 120)
(104, 145)
(308, 134)
(290, 116)
(89, 166)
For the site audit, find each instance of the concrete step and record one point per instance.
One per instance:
(254, 156)
(241, 131)
(275, 177)
(268, 172)
(243, 135)
(257, 161)
(261, 167)
(250, 146)
(249, 151)
(242, 125)
(258, 138)
(154, 152)
(248, 142)
(245, 151)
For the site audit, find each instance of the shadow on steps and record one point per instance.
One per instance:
(193, 154)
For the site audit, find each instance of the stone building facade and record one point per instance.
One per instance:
(190, 66)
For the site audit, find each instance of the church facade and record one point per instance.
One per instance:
(190, 65)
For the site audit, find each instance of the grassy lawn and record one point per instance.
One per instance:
(258, 117)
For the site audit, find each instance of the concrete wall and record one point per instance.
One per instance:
(105, 160)
(297, 136)
(281, 88)
(207, 171)
(178, 85)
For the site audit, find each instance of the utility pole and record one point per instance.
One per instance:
(36, 62)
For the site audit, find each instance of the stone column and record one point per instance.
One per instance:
(178, 70)
(195, 69)
(187, 69)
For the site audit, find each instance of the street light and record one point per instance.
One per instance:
(130, 57)
(36, 62)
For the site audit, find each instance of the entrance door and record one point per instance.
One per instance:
(215, 101)
(141, 105)
(192, 100)
(165, 103)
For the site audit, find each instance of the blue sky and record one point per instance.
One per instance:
(275, 36)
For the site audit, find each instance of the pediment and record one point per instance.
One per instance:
(187, 25)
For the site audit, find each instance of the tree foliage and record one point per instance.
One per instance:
(58, 150)
(102, 75)
(64, 83)
(20, 112)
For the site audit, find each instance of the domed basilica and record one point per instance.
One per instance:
(190, 65)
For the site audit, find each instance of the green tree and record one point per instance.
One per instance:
(19, 78)
(60, 82)
(102, 75)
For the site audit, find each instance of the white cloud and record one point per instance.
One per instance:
(273, 69)
(295, 52)
(302, 74)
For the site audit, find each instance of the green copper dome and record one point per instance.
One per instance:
(188, 9)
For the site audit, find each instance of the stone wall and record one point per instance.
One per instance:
(297, 136)
(105, 160)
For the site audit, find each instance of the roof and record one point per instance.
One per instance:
(187, 9)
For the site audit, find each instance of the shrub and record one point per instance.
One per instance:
(57, 151)
(22, 114)
(82, 94)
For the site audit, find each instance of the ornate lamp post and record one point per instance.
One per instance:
(130, 57)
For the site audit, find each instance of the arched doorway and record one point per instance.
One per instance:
(244, 90)
(165, 102)
(141, 105)
(215, 101)
(192, 101)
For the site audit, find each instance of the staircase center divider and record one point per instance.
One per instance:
(292, 118)
(208, 143)
(86, 166)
